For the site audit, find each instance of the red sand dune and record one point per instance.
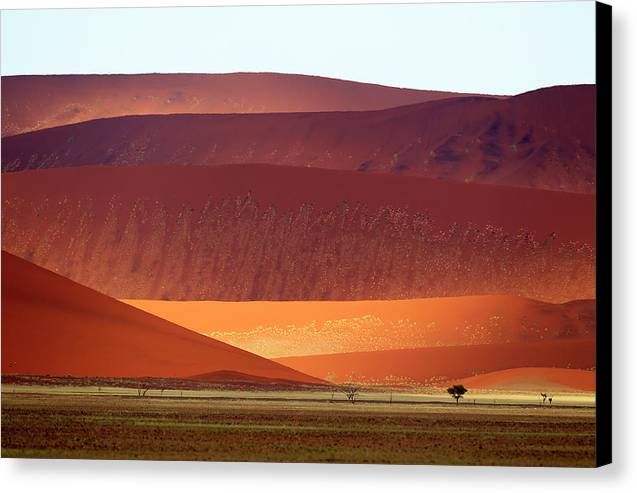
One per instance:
(292, 328)
(571, 216)
(440, 364)
(53, 326)
(539, 379)
(259, 232)
(33, 102)
(235, 377)
(542, 139)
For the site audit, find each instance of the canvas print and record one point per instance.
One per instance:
(345, 233)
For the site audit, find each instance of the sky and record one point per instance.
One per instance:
(493, 48)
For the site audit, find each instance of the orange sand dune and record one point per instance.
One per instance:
(540, 379)
(53, 326)
(200, 233)
(293, 328)
(541, 139)
(441, 364)
(32, 102)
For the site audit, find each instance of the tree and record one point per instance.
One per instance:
(457, 391)
(142, 392)
(350, 390)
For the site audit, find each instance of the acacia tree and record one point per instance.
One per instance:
(457, 391)
(350, 390)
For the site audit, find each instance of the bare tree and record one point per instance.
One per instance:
(142, 392)
(331, 377)
(350, 390)
(544, 396)
(457, 391)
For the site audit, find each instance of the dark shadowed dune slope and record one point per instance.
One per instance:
(542, 139)
(440, 364)
(258, 232)
(54, 326)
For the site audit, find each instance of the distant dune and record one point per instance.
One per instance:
(441, 364)
(276, 329)
(33, 102)
(235, 377)
(541, 139)
(53, 326)
(259, 232)
(539, 379)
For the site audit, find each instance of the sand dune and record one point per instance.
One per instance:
(540, 212)
(441, 364)
(539, 379)
(276, 329)
(542, 139)
(33, 102)
(235, 377)
(198, 233)
(53, 326)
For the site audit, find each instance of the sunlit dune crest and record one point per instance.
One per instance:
(34, 102)
(276, 329)
(538, 379)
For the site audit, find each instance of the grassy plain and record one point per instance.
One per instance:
(291, 426)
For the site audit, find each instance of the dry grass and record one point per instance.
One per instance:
(107, 426)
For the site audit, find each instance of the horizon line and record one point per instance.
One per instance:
(292, 74)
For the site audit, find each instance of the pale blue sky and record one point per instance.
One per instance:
(497, 48)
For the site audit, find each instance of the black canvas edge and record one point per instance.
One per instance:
(603, 146)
